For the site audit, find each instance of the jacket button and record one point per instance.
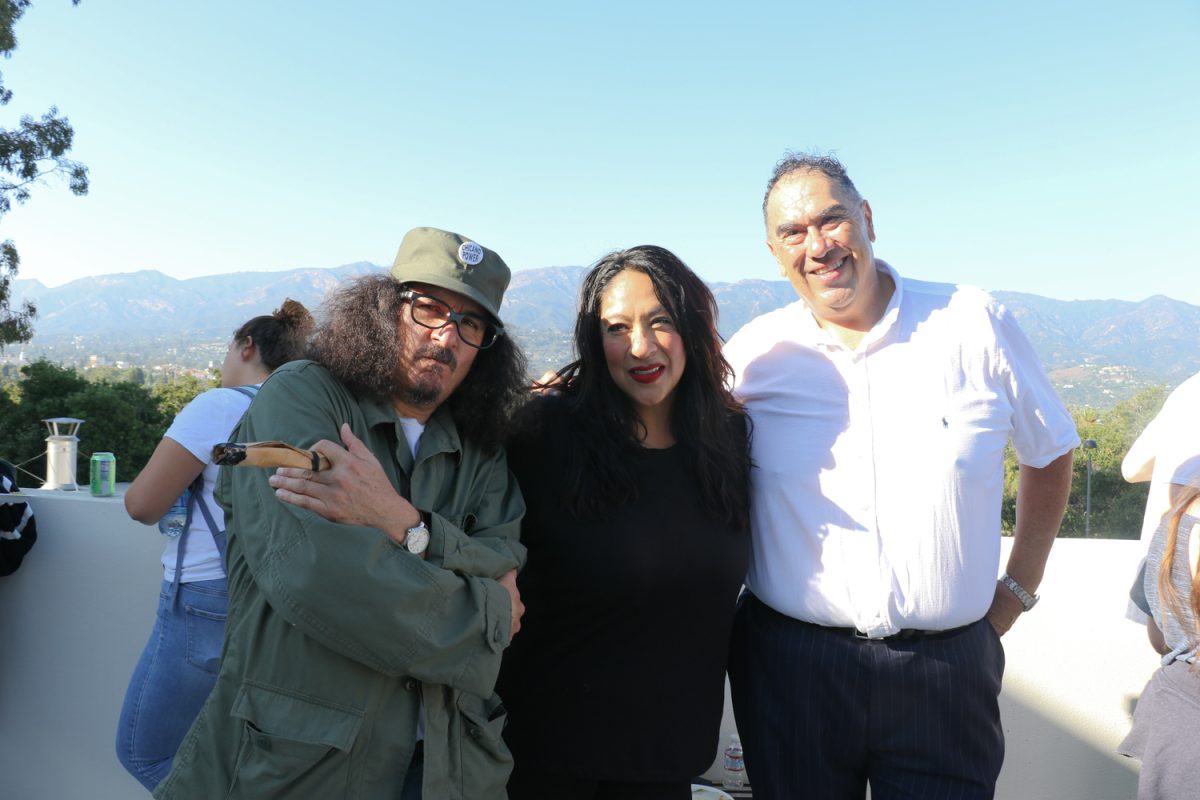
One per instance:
(411, 685)
(264, 743)
(476, 733)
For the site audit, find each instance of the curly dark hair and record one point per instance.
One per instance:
(706, 419)
(825, 164)
(356, 341)
(278, 337)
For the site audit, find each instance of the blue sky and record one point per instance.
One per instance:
(1041, 147)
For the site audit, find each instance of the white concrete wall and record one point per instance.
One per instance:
(73, 621)
(74, 618)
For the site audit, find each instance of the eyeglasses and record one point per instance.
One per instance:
(473, 330)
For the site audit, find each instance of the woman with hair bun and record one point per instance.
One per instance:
(178, 666)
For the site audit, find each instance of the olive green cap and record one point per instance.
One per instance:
(454, 262)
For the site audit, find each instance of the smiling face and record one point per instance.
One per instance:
(432, 363)
(821, 236)
(642, 347)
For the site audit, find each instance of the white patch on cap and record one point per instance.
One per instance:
(470, 253)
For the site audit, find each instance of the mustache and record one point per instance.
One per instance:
(438, 353)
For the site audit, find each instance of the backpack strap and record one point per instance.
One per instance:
(249, 390)
(194, 491)
(196, 497)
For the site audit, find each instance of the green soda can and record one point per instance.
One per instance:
(104, 474)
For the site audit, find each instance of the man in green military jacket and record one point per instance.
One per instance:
(370, 603)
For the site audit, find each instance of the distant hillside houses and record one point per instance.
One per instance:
(1097, 351)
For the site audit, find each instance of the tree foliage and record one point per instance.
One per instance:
(120, 417)
(172, 397)
(1116, 506)
(29, 154)
(123, 419)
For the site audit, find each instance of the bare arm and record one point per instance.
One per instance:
(170, 470)
(1157, 641)
(1041, 499)
(1138, 464)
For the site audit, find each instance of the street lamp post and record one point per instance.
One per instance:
(1088, 445)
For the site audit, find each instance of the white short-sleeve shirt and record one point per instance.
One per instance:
(879, 470)
(203, 423)
(1172, 441)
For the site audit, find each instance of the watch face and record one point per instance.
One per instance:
(417, 539)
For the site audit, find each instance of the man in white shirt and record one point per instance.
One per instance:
(881, 407)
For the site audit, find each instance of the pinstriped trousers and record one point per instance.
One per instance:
(822, 713)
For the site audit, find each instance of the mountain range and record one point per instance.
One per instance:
(1094, 348)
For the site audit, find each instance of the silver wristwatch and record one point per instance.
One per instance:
(416, 538)
(1027, 600)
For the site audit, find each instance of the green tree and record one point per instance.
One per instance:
(122, 418)
(116, 375)
(172, 397)
(1116, 506)
(119, 417)
(29, 153)
(41, 394)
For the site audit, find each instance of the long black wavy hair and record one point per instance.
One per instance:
(357, 342)
(706, 419)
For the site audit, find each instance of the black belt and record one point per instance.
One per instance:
(902, 635)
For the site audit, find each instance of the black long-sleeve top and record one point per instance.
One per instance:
(618, 671)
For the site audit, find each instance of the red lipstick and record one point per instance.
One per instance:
(647, 374)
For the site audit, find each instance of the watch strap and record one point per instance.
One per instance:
(1027, 600)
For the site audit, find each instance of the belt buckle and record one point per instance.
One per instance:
(902, 635)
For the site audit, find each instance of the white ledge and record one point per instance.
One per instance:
(74, 618)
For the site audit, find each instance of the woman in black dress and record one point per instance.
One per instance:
(635, 476)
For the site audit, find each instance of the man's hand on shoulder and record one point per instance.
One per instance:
(354, 490)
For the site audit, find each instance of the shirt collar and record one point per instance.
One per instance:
(879, 331)
(440, 436)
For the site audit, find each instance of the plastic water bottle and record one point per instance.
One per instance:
(173, 522)
(735, 766)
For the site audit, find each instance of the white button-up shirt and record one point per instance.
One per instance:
(879, 470)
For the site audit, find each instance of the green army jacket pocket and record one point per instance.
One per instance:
(291, 746)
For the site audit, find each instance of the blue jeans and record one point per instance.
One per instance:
(172, 678)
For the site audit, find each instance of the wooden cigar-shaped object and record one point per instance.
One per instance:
(267, 454)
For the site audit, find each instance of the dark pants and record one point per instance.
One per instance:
(822, 713)
(536, 784)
